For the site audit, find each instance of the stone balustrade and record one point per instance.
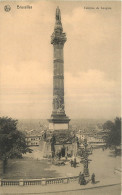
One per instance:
(43, 181)
(5, 182)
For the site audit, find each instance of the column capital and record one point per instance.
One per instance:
(58, 38)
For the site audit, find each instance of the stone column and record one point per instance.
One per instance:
(58, 79)
(58, 39)
(58, 120)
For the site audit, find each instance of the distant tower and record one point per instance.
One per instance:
(58, 120)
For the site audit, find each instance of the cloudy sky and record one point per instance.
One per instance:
(91, 59)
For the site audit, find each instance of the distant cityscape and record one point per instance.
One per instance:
(75, 124)
(83, 128)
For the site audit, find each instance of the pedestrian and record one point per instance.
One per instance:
(93, 178)
(74, 163)
(82, 181)
(80, 176)
(59, 155)
(71, 162)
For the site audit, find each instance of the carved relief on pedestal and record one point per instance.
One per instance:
(58, 100)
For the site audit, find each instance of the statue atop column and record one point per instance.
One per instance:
(58, 25)
(58, 14)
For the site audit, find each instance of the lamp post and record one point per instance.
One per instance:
(86, 169)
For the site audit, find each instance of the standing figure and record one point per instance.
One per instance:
(93, 178)
(71, 162)
(59, 155)
(79, 179)
(74, 163)
(82, 181)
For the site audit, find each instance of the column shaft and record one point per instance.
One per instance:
(58, 79)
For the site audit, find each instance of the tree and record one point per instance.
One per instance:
(113, 136)
(12, 141)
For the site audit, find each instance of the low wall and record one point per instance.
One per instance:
(43, 181)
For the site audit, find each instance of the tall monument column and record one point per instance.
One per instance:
(58, 120)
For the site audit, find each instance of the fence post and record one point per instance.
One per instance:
(21, 182)
(43, 182)
(65, 180)
(0, 182)
(68, 180)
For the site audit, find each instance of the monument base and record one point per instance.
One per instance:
(58, 126)
(61, 149)
(59, 140)
(58, 122)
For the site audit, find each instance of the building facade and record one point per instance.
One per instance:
(33, 140)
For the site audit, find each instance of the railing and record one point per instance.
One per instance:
(6, 182)
(31, 182)
(43, 181)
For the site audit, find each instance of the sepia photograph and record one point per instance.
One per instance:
(60, 97)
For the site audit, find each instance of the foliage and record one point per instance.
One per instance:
(12, 141)
(113, 136)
